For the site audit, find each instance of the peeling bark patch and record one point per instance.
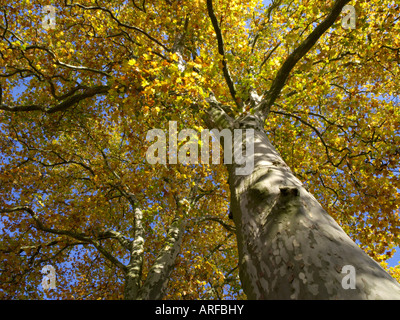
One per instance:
(338, 268)
(260, 190)
(290, 191)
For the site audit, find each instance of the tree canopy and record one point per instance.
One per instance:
(78, 99)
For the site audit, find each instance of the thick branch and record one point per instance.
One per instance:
(158, 276)
(125, 243)
(135, 265)
(88, 93)
(298, 53)
(215, 116)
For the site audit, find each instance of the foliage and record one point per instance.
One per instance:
(77, 101)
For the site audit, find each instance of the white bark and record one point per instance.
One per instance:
(157, 279)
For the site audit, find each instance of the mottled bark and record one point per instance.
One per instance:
(289, 247)
(156, 282)
(157, 279)
(134, 269)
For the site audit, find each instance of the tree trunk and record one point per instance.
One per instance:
(159, 274)
(156, 282)
(289, 247)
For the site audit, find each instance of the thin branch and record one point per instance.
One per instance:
(216, 219)
(327, 147)
(119, 22)
(269, 54)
